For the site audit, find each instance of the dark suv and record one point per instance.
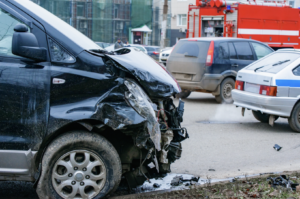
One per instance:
(74, 118)
(210, 64)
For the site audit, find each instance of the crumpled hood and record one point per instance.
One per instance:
(155, 80)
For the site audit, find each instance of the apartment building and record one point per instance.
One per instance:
(179, 10)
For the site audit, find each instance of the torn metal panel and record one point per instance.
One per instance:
(157, 82)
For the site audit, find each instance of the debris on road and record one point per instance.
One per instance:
(211, 170)
(277, 147)
(282, 181)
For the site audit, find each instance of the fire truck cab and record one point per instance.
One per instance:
(271, 23)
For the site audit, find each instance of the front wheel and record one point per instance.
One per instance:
(79, 165)
(294, 119)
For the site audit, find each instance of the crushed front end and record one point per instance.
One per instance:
(145, 124)
(149, 92)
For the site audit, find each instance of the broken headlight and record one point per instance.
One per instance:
(138, 99)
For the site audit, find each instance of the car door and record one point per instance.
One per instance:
(24, 89)
(242, 55)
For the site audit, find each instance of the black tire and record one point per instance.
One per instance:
(294, 119)
(225, 90)
(184, 94)
(262, 117)
(218, 98)
(80, 140)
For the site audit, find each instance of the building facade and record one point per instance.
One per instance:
(108, 20)
(179, 10)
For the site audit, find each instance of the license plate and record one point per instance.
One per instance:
(252, 88)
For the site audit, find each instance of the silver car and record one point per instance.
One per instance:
(270, 87)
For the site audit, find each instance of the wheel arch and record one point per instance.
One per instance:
(88, 125)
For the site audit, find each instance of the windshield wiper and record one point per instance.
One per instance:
(258, 68)
(281, 62)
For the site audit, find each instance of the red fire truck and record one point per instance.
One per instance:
(276, 24)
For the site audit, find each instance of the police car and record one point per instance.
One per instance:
(270, 87)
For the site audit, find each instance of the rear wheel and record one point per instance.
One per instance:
(294, 119)
(79, 165)
(184, 94)
(226, 87)
(262, 117)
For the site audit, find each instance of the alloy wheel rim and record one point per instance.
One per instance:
(227, 91)
(79, 174)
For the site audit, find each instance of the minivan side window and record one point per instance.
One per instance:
(189, 48)
(7, 24)
(232, 51)
(243, 50)
(260, 50)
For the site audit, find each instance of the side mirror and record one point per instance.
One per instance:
(25, 44)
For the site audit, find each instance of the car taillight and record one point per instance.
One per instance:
(239, 85)
(210, 54)
(155, 53)
(268, 90)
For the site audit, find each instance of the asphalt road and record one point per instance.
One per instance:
(232, 145)
(220, 139)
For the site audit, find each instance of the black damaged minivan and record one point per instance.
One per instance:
(74, 118)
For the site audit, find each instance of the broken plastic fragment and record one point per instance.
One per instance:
(138, 99)
(277, 147)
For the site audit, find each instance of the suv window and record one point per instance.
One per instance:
(232, 51)
(260, 50)
(7, 24)
(223, 52)
(244, 50)
(188, 48)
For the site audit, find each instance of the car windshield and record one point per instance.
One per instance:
(274, 63)
(60, 25)
(140, 48)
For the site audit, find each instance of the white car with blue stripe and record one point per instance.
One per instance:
(270, 87)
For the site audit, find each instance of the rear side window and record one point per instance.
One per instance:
(260, 50)
(274, 63)
(243, 50)
(188, 49)
(296, 71)
(232, 51)
(223, 52)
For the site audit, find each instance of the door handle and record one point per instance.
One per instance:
(235, 65)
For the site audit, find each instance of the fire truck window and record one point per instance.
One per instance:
(189, 48)
(260, 50)
(232, 51)
(223, 52)
(244, 50)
